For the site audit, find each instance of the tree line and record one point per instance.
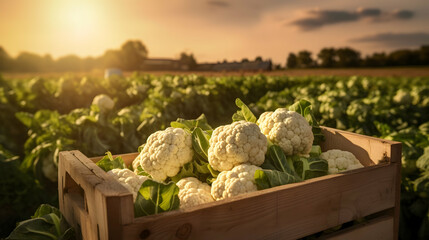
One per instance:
(128, 57)
(348, 57)
(131, 55)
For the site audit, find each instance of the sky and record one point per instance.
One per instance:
(213, 30)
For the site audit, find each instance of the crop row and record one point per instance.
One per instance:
(40, 117)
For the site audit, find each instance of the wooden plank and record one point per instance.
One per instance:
(368, 150)
(376, 229)
(87, 181)
(285, 212)
(97, 187)
(396, 153)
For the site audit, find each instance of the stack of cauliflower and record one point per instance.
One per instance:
(236, 151)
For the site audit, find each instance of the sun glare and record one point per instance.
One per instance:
(79, 18)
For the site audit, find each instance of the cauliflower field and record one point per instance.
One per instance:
(40, 117)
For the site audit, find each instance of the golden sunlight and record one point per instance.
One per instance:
(81, 19)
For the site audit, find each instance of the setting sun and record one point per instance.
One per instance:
(81, 18)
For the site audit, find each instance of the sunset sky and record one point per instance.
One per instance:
(212, 30)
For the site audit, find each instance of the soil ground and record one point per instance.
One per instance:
(373, 72)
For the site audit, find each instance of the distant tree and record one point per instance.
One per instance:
(270, 64)
(258, 59)
(327, 57)
(292, 61)
(424, 55)
(304, 59)
(403, 57)
(188, 61)
(375, 60)
(112, 59)
(5, 60)
(90, 63)
(133, 53)
(244, 60)
(48, 63)
(29, 62)
(348, 57)
(69, 63)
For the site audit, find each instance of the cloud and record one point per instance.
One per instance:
(318, 18)
(403, 14)
(220, 4)
(368, 12)
(395, 39)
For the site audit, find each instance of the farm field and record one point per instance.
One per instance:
(41, 116)
(369, 72)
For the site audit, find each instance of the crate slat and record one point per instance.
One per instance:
(375, 229)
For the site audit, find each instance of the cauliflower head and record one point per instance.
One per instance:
(241, 179)
(165, 152)
(287, 129)
(103, 102)
(237, 143)
(128, 179)
(339, 161)
(49, 168)
(193, 192)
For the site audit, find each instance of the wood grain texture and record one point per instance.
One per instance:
(368, 150)
(92, 200)
(375, 229)
(285, 212)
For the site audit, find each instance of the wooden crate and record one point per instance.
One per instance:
(101, 208)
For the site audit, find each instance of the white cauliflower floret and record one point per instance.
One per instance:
(165, 152)
(339, 161)
(238, 143)
(103, 102)
(193, 192)
(241, 179)
(128, 179)
(403, 97)
(287, 129)
(49, 169)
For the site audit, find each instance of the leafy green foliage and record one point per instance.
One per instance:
(200, 143)
(423, 161)
(310, 167)
(41, 117)
(315, 151)
(191, 125)
(20, 194)
(154, 197)
(244, 113)
(140, 171)
(108, 163)
(276, 170)
(272, 178)
(47, 223)
(199, 167)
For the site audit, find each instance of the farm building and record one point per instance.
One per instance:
(163, 64)
(236, 66)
